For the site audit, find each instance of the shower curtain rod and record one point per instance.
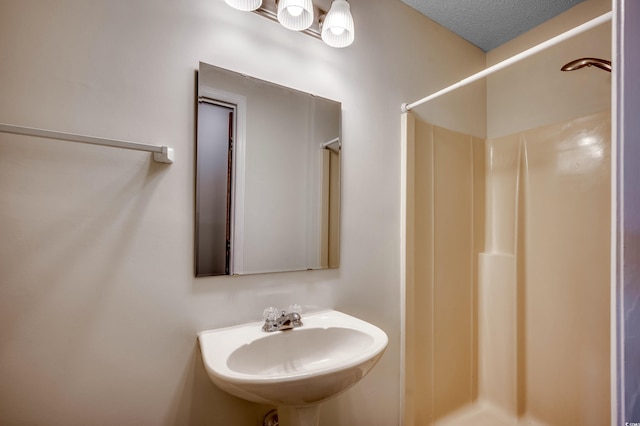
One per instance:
(512, 60)
(161, 154)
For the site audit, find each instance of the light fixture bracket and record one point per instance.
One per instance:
(269, 9)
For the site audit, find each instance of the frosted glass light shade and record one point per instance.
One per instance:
(337, 28)
(244, 5)
(295, 15)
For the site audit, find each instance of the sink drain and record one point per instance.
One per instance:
(271, 418)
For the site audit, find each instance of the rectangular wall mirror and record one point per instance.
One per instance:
(267, 177)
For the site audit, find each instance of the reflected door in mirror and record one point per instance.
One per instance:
(213, 189)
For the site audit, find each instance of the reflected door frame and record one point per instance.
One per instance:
(237, 212)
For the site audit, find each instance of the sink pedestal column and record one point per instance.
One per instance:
(299, 416)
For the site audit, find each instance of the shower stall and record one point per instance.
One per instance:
(507, 249)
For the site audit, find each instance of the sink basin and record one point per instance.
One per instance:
(301, 367)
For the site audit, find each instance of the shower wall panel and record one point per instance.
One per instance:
(453, 307)
(566, 292)
(422, 321)
(448, 231)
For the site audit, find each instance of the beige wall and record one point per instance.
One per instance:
(98, 305)
(533, 92)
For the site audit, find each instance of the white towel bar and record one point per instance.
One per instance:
(161, 154)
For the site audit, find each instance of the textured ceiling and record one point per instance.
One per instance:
(490, 23)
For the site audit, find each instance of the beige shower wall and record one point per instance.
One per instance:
(518, 335)
(563, 273)
(551, 331)
(444, 234)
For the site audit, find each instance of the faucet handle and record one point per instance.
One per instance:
(295, 308)
(295, 311)
(271, 314)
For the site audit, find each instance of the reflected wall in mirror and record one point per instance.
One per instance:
(267, 177)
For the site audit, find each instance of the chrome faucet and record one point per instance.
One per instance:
(275, 320)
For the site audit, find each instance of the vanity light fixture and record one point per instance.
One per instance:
(244, 5)
(295, 15)
(335, 27)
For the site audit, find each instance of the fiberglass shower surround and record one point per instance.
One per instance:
(506, 251)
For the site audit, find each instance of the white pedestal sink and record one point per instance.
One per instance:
(295, 369)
